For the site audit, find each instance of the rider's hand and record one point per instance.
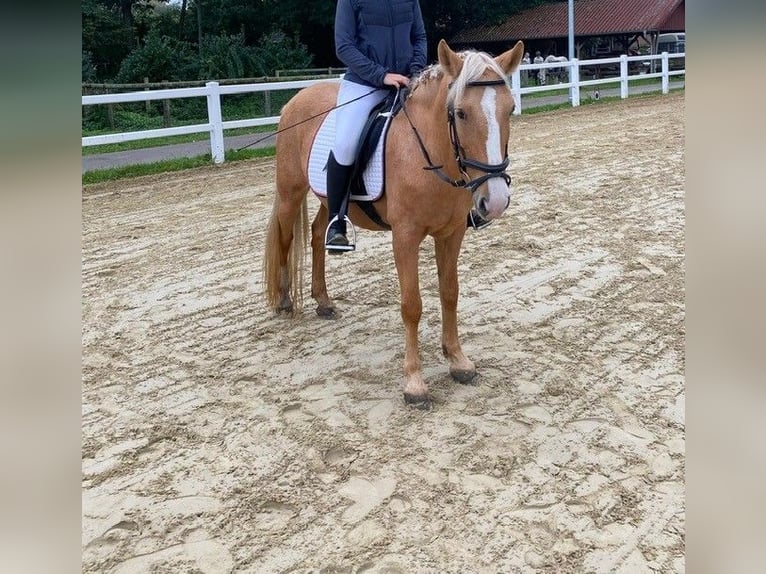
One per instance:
(396, 80)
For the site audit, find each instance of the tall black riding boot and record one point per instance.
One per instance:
(338, 179)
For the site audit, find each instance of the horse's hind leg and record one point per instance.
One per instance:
(283, 261)
(325, 307)
(461, 368)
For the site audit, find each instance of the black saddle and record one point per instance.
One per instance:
(371, 134)
(373, 129)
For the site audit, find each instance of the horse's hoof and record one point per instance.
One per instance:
(421, 402)
(327, 312)
(463, 376)
(285, 310)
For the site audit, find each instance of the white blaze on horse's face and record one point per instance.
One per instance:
(498, 195)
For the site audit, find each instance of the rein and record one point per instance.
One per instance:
(490, 170)
(306, 120)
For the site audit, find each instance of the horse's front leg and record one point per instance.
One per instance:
(406, 248)
(461, 367)
(325, 307)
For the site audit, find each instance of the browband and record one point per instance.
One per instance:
(498, 82)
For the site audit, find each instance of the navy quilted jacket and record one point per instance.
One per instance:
(374, 37)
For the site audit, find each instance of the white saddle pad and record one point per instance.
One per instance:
(320, 151)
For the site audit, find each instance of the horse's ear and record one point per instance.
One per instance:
(511, 59)
(449, 60)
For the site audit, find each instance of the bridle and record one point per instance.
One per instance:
(463, 162)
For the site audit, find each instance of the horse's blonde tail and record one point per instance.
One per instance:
(284, 271)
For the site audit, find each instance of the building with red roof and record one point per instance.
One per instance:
(601, 27)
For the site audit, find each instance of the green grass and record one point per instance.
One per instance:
(128, 171)
(167, 140)
(590, 102)
(605, 86)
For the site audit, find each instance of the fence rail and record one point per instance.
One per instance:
(213, 91)
(306, 71)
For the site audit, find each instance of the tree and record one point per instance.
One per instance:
(105, 37)
(275, 33)
(182, 19)
(310, 20)
(88, 69)
(160, 58)
(277, 50)
(226, 57)
(154, 16)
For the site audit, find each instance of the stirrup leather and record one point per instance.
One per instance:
(352, 239)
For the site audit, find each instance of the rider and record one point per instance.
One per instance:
(383, 44)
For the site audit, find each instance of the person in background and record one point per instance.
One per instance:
(525, 73)
(383, 44)
(540, 73)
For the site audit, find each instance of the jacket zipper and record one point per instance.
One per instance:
(393, 34)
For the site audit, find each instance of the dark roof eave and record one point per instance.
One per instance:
(548, 36)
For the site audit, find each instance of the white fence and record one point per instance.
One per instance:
(575, 83)
(213, 92)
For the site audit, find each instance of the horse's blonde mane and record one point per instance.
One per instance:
(474, 66)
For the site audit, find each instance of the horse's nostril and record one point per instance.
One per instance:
(507, 203)
(483, 206)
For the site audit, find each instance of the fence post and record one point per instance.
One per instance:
(109, 111)
(516, 90)
(148, 102)
(267, 103)
(165, 109)
(574, 79)
(216, 121)
(665, 69)
(623, 76)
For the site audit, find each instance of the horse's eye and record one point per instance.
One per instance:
(460, 114)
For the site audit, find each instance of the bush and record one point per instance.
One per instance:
(190, 109)
(128, 121)
(95, 118)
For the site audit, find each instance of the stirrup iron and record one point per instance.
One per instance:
(352, 239)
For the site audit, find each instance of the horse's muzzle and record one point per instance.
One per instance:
(495, 202)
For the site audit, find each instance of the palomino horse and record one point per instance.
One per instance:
(456, 121)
